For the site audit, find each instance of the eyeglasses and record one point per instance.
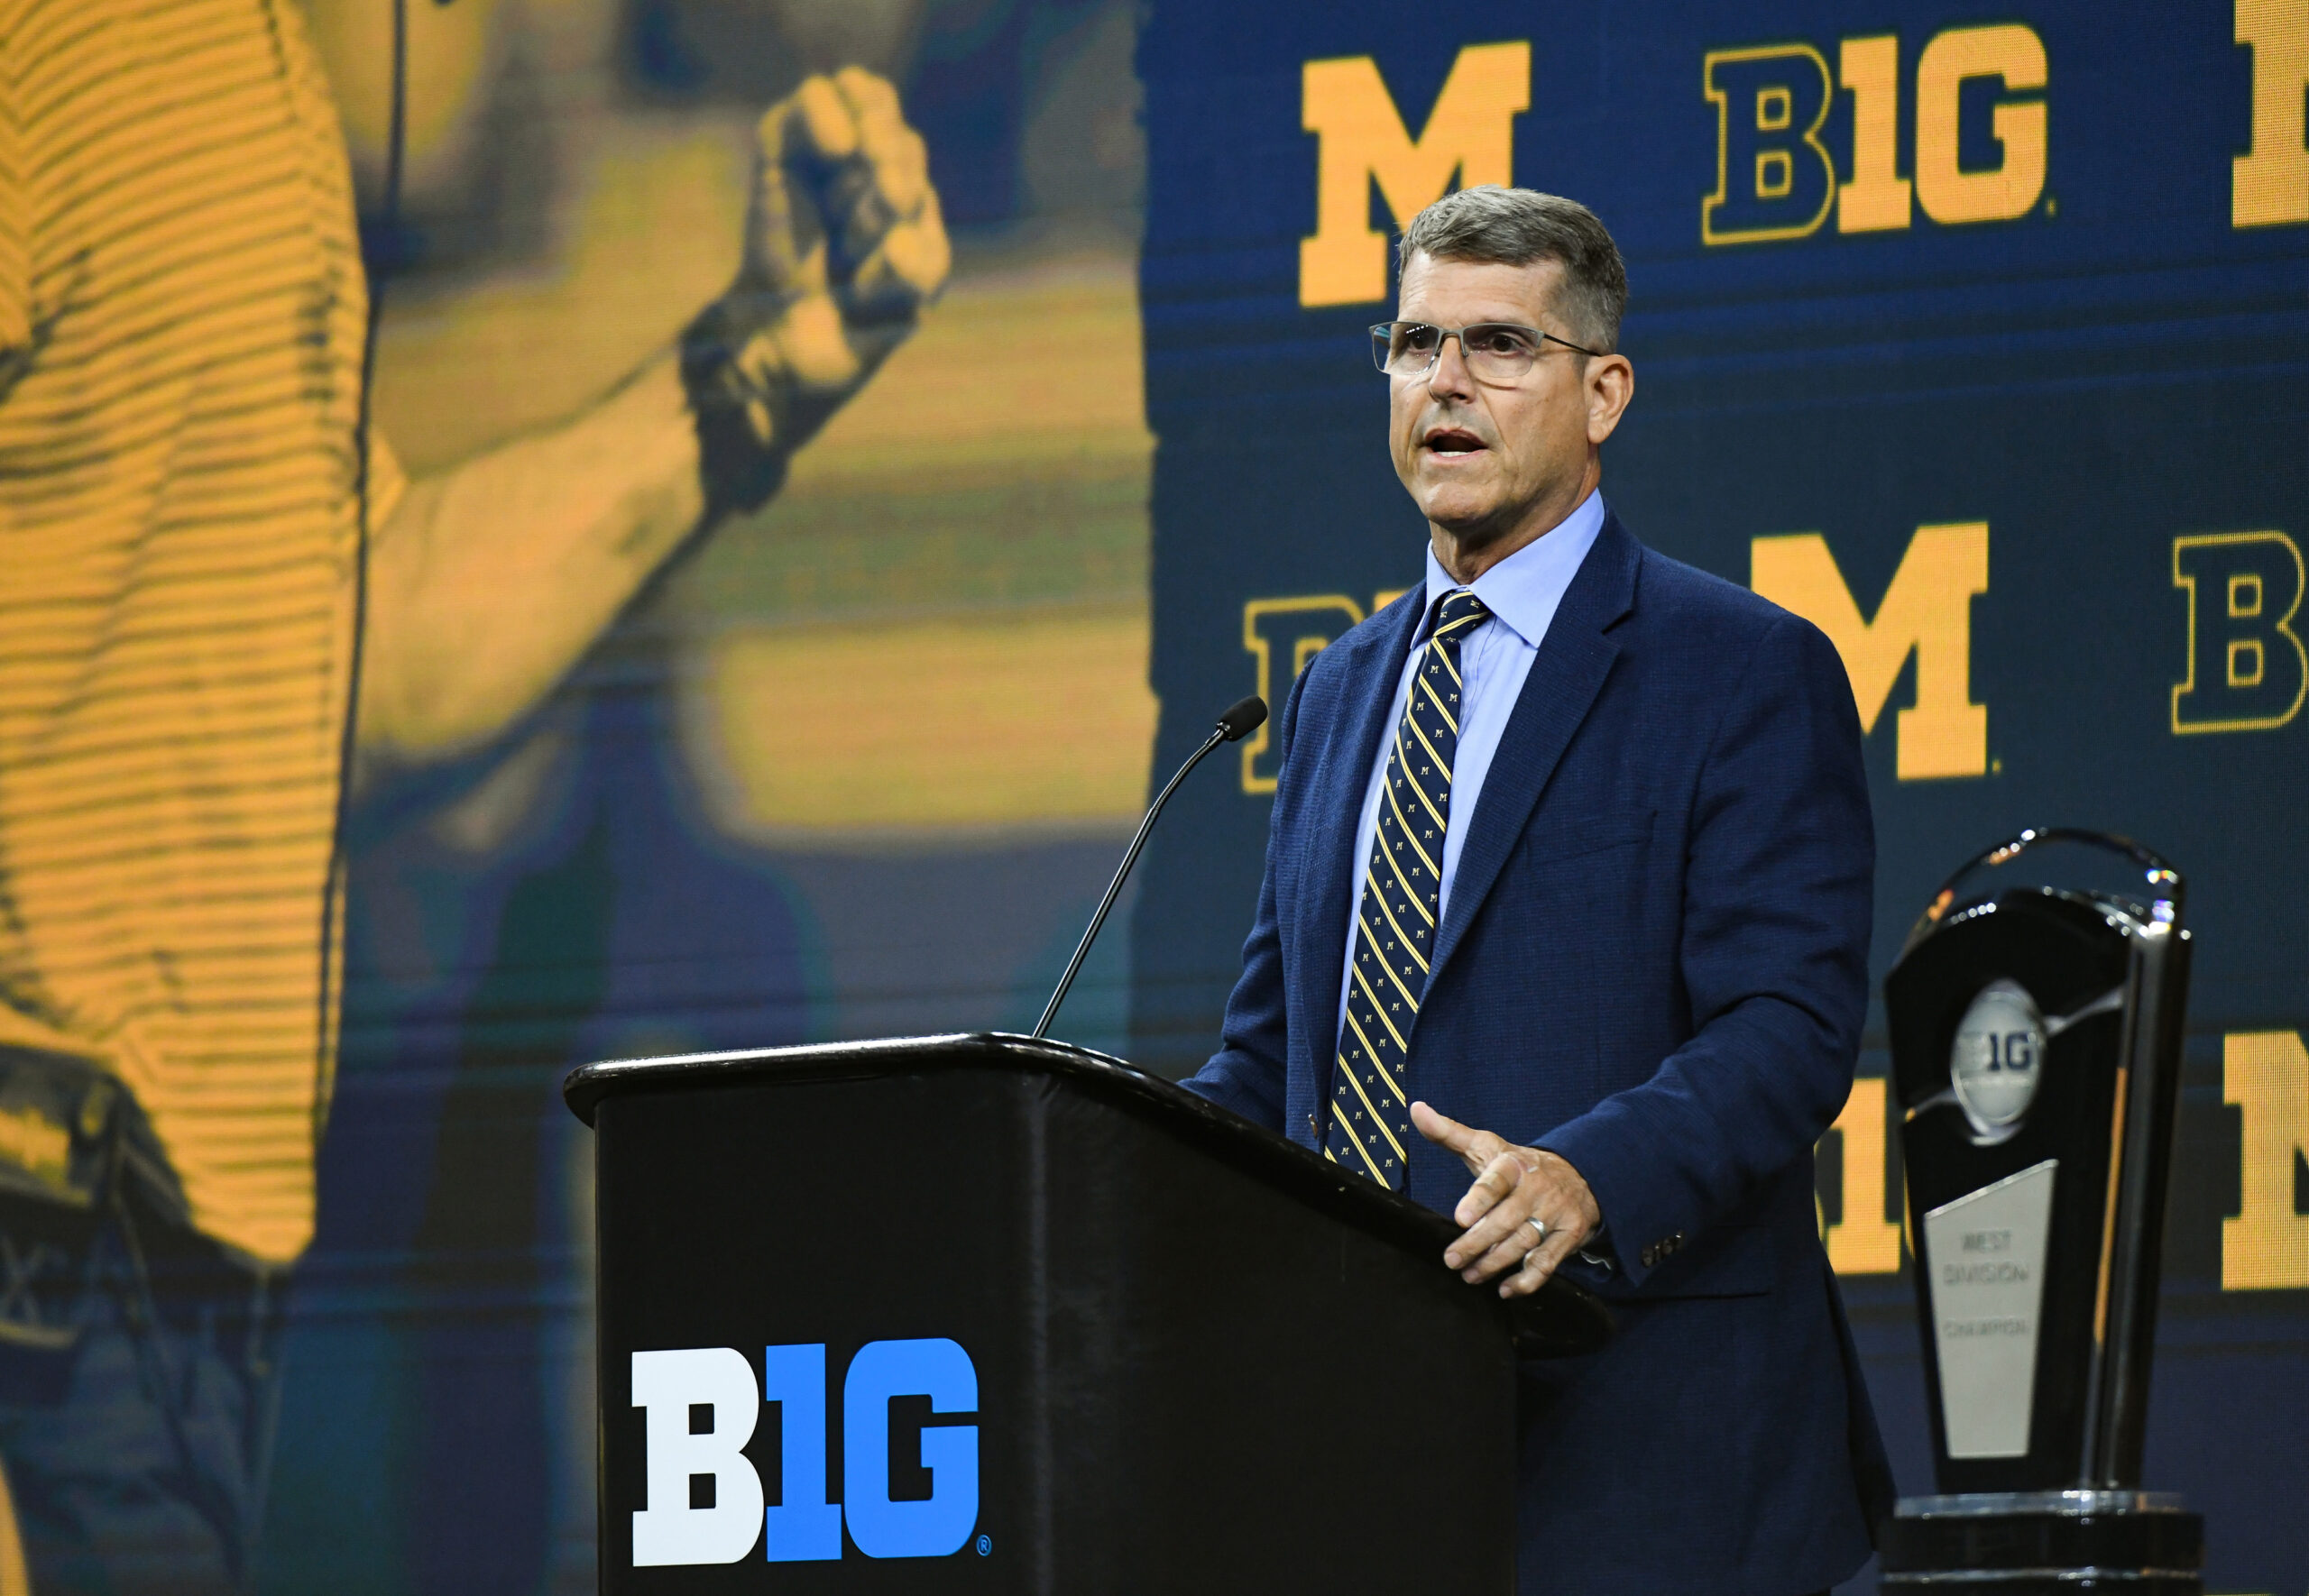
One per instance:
(1494, 351)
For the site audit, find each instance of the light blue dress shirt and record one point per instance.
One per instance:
(1521, 593)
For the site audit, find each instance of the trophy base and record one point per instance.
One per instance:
(2036, 1543)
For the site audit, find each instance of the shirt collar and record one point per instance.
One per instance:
(1524, 589)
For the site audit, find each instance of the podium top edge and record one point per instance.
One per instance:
(1562, 1319)
(585, 1087)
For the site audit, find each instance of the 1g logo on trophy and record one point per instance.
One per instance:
(1994, 1065)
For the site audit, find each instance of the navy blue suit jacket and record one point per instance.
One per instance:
(1654, 962)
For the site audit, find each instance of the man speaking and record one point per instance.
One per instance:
(1567, 887)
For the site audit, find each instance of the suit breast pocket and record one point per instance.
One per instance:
(1591, 877)
(1570, 840)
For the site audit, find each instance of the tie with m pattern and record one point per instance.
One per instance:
(1402, 883)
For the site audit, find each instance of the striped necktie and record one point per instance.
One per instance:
(1402, 887)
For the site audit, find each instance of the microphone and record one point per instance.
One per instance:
(1241, 720)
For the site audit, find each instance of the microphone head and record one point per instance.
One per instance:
(1243, 718)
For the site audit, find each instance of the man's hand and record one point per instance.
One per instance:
(844, 245)
(1513, 1185)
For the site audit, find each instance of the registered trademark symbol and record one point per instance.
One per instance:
(985, 1546)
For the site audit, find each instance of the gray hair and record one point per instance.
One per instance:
(1521, 227)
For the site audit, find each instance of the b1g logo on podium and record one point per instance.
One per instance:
(705, 1500)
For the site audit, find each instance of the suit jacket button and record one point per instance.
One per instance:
(1651, 1256)
(1675, 1241)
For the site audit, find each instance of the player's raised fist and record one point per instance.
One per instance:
(844, 245)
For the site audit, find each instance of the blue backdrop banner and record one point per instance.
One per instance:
(1980, 340)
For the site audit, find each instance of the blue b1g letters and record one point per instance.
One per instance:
(803, 1527)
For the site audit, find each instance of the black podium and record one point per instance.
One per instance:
(980, 1312)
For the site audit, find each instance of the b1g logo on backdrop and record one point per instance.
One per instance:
(1776, 177)
(705, 1501)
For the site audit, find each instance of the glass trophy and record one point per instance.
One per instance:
(2036, 1017)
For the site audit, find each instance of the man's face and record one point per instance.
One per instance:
(1478, 458)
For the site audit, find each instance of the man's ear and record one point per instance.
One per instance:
(1609, 386)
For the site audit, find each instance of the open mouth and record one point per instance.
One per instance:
(1453, 441)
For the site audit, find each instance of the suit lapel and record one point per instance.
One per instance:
(1375, 665)
(1565, 676)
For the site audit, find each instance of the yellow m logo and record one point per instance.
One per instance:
(2265, 1075)
(1927, 609)
(1346, 105)
(2268, 186)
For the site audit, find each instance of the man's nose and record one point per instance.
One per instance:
(1448, 374)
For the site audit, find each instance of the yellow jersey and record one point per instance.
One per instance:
(182, 317)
